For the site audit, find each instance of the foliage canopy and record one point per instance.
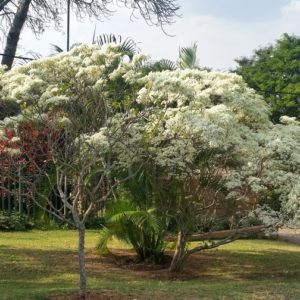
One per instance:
(274, 72)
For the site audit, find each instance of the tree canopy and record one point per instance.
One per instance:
(274, 72)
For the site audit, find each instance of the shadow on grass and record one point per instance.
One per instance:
(29, 265)
(36, 265)
(35, 274)
(250, 265)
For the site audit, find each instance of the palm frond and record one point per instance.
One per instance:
(56, 49)
(159, 66)
(127, 46)
(188, 57)
(94, 36)
(105, 236)
(167, 64)
(75, 45)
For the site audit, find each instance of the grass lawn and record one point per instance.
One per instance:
(34, 265)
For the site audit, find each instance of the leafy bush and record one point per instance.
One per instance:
(8, 109)
(251, 220)
(140, 228)
(95, 223)
(271, 198)
(14, 222)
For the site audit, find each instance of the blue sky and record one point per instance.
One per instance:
(223, 29)
(238, 10)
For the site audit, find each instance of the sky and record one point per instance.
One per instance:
(223, 29)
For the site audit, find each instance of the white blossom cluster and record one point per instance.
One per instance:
(54, 83)
(187, 120)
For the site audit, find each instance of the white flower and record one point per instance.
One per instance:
(288, 120)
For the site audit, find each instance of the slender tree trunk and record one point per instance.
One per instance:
(180, 253)
(14, 33)
(81, 259)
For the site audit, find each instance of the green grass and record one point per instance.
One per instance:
(34, 265)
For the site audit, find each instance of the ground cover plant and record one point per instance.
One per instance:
(14, 222)
(39, 264)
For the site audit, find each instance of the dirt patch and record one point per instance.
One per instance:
(111, 295)
(126, 260)
(289, 235)
(107, 295)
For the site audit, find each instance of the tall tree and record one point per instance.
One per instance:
(13, 35)
(35, 14)
(38, 14)
(3, 3)
(274, 72)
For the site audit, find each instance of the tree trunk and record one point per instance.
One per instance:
(180, 254)
(81, 259)
(14, 33)
(3, 4)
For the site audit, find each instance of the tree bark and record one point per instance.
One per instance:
(14, 33)
(222, 234)
(3, 4)
(81, 259)
(180, 254)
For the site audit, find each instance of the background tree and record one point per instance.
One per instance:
(34, 14)
(13, 35)
(274, 72)
(39, 14)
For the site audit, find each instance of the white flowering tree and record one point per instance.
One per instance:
(74, 96)
(209, 125)
(202, 132)
(205, 136)
(279, 167)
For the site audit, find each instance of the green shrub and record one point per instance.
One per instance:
(141, 228)
(271, 198)
(8, 109)
(95, 223)
(14, 222)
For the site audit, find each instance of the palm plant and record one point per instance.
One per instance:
(187, 60)
(127, 45)
(160, 65)
(187, 55)
(141, 228)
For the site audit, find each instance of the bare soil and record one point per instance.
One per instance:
(126, 260)
(107, 295)
(289, 235)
